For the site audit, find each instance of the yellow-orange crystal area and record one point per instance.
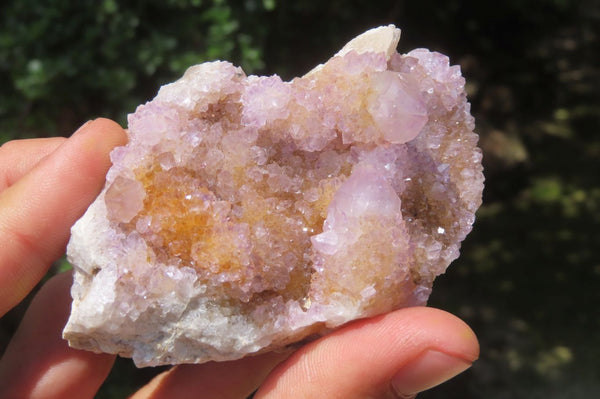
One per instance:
(258, 240)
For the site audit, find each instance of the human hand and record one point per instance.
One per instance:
(46, 185)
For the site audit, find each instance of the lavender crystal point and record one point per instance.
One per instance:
(247, 213)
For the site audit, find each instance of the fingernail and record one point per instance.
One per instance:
(426, 371)
(82, 127)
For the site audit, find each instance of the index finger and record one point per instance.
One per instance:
(36, 212)
(18, 157)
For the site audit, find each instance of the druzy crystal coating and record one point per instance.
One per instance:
(247, 213)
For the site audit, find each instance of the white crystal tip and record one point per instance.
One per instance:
(382, 39)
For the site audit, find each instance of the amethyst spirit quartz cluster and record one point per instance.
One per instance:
(247, 213)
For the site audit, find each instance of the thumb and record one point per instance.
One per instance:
(394, 355)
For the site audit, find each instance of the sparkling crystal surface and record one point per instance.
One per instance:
(247, 213)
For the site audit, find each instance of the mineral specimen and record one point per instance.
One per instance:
(247, 213)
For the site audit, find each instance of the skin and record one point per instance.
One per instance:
(47, 184)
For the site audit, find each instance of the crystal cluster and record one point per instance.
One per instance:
(247, 213)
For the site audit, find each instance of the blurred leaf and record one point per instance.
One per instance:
(269, 5)
(546, 190)
(63, 265)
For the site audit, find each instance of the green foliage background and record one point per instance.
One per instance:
(528, 280)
